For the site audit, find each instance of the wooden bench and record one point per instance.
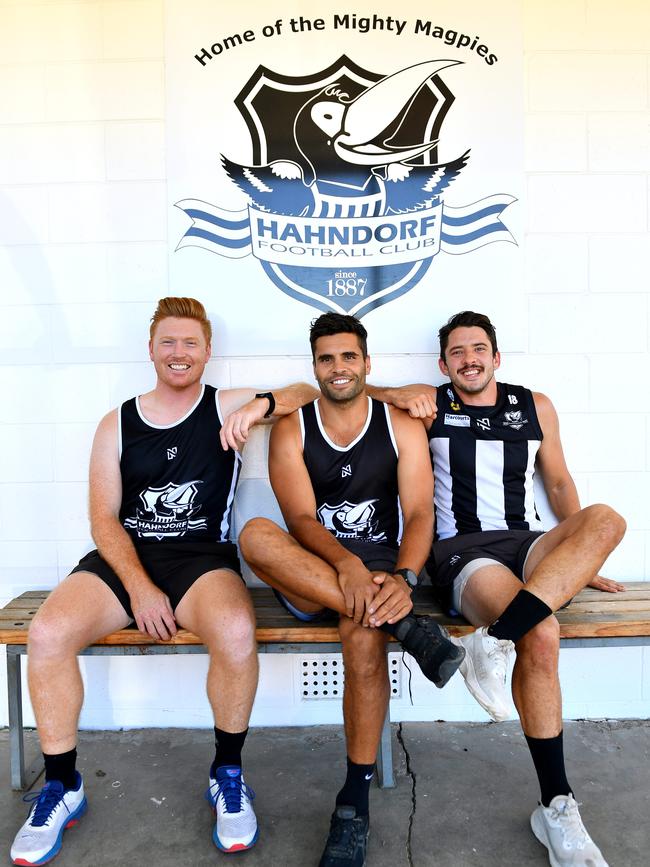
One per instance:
(593, 618)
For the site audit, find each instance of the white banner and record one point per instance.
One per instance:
(358, 162)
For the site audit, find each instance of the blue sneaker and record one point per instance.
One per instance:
(53, 810)
(231, 801)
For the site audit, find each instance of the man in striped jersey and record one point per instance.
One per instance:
(492, 561)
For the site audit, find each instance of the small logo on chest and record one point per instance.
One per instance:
(514, 420)
(457, 420)
(483, 423)
(171, 453)
(346, 471)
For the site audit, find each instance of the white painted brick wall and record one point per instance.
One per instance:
(83, 258)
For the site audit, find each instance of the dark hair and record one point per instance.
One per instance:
(337, 323)
(467, 319)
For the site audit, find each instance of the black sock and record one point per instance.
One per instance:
(525, 611)
(228, 748)
(356, 789)
(61, 767)
(399, 629)
(548, 758)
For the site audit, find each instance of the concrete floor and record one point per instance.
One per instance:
(464, 794)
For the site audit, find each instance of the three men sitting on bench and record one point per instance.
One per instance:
(353, 479)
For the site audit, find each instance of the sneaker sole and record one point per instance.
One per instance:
(537, 826)
(236, 847)
(54, 851)
(449, 667)
(471, 682)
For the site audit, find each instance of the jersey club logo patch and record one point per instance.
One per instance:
(352, 521)
(167, 512)
(345, 189)
(514, 419)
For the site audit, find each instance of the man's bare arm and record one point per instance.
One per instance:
(294, 492)
(419, 400)
(558, 482)
(151, 607)
(559, 485)
(415, 484)
(241, 409)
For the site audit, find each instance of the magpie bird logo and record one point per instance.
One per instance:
(167, 512)
(514, 419)
(352, 520)
(345, 190)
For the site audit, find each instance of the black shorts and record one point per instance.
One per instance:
(376, 558)
(450, 556)
(172, 566)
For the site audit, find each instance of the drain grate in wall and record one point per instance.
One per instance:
(321, 675)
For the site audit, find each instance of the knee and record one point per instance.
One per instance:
(234, 639)
(364, 651)
(49, 637)
(255, 536)
(606, 524)
(540, 647)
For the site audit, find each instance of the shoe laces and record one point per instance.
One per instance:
(574, 834)
(45, 802)
(498, 652)
(232, 790)
(426, 636)
(344, 837)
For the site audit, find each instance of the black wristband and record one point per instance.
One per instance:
(269, 396)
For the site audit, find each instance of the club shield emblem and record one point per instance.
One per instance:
(345, 190)
(167, 512)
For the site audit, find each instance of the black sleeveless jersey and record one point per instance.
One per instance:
(484, 462)
(177, 481)
(356, 485)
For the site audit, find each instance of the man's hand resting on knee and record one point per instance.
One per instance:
(392, 602)
(153, 612)
(356, 583)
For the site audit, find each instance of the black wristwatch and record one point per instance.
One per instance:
(409, 576)
(269, 396)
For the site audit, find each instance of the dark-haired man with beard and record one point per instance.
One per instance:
(492, 561)
(353, 479)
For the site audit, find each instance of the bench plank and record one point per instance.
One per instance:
(601, 617)
(592, 614)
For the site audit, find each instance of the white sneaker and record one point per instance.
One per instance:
(559, 827)
(485, 668)
(53, 810)
(231, 801)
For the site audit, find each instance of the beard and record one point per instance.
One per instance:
(354, 389)
(476, 386)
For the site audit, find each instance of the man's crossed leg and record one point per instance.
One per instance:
(311, 586)
(554, 566)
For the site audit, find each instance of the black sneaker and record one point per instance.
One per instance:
(348, 839)
(429, 644)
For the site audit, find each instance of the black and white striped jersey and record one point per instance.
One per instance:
(484, 462)
(177, 481)
(355, 486)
